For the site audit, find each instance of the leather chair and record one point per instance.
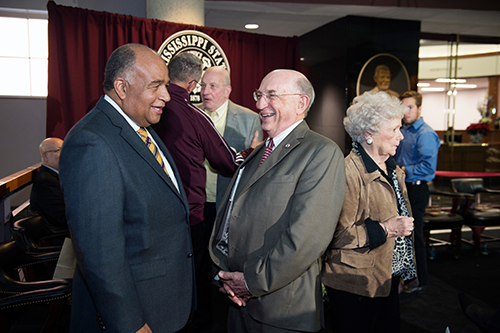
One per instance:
(482, 213)
(16, 294)
(34, 236)
(442, 216)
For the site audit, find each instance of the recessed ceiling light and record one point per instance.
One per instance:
(302, 59)
(251, 26)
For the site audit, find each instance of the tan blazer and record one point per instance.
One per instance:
(283, 219)
(350, 265)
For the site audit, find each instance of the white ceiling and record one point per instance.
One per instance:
(293, 19)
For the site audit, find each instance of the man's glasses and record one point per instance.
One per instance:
(53, 151)
(197, 84)
(257, 95)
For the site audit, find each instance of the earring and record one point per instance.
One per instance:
(369, 141)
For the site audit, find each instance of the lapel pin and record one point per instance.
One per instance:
(287, 145)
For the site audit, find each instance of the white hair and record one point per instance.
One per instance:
(369, 112)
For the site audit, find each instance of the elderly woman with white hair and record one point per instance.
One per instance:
(371, 250)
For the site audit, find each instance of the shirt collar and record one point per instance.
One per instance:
(55, 170)
(220, 112)
(280, 137)
(178, 91)
(370, 164)
(120, 111)
(416, 124)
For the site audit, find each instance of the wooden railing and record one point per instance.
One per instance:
(10, 185)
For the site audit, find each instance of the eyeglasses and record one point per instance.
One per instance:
(197, 84)
(53, 151)
(257, 95)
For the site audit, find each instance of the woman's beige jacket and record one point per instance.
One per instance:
(349, 264)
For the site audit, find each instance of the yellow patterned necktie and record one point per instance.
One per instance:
(152, 147)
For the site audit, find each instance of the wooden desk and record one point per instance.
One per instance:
(463, 157)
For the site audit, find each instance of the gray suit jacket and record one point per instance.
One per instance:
(283, 218)
(241, 124)
(129, 228)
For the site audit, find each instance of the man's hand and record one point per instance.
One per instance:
(234, 286)
(145, 329)
(254, 142)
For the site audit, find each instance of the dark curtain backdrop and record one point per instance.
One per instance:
(80, 42)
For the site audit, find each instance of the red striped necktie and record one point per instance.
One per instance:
(268, 151)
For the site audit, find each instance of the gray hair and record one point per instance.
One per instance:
(184, 67)
(307, 89)
(369, 112)
(219, 69)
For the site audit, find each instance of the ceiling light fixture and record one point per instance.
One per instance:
(432, 89)
(461, 85)
(251, 26)
(423, 84)
(451, 80)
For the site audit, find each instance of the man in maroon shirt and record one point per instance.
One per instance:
(191, 137)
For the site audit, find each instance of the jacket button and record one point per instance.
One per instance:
(190, 255)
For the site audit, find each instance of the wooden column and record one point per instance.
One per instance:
(493, 92)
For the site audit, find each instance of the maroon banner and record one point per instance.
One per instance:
(81, 40)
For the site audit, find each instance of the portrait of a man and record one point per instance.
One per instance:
(383, 72)
(382, 78)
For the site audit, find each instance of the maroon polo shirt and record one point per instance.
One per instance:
(191, 137)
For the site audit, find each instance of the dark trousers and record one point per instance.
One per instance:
(240, 321)
(200, 236)
(419, 199)
(353, 313)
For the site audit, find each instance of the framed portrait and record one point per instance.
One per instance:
(383, 72)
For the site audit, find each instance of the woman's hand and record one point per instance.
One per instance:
(398, 226)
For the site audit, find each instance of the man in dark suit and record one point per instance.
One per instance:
(279, 215)
(46, 196)
(126, 208)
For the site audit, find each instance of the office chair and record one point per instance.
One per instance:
(440, 216)
(482, 213)
(16, 295)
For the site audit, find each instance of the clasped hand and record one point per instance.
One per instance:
(233, 284)
(399, 226)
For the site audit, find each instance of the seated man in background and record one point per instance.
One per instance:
(46, 196)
